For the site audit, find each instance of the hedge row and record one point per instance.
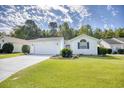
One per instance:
(8, 48)
(121, 51)
(104, 51)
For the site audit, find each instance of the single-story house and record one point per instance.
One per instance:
(18, 43)
(82, 44)
(113, 43)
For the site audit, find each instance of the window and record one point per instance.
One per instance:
(67, 46)
(83, 44)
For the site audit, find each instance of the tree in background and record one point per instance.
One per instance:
(119, 32)
(65, 31)
(53, 27)
(97, 33)
(109, 33)
(28, 31)
(45, 33)
(31, 31)
(86, 29)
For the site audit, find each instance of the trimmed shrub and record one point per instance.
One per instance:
(7, 48)
(66, 53)
(114, 52)
(1, 51)
(109, 51)
(26, 49)
(102, 51)
(121, 51)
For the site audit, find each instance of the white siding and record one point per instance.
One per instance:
(61, 44)
(1, 43)
(92, 46)
(115, 47)
(17, 47)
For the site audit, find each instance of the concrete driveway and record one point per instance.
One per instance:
(10, 66)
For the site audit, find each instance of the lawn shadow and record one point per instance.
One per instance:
(101, 57)
(88, 56)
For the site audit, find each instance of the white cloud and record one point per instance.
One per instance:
(108, 26)
(55, 7)
(5, 29)
(109, 7)
(42, 14)
(113, 11)
(81, 10)
(112, 26)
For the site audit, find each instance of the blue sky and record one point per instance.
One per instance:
(97, 16)
(106, 16)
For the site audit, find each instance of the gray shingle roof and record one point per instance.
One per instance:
(121, 39)
(111, 41)
(46, 39)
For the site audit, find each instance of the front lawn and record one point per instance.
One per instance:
(88, 71)
(10, 55)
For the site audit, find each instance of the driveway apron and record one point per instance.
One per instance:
(9, 66)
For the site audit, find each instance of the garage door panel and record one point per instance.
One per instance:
(46, 48)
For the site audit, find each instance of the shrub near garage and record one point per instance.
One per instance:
(109, 51)
(102, 51)
(121, 51)
(1, 51)
(26, 49)
(66, 53)
(7, 48)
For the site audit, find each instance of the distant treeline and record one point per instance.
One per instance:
(31, 31)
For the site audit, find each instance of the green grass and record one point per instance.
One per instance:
(85, 72)
(10, 55)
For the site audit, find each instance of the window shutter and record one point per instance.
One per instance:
(78, 45)
(87, 45)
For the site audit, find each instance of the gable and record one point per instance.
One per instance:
(86, 37)
(13, 40)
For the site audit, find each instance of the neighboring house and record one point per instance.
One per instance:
(82, 44)
(113, 43)
(18, 43)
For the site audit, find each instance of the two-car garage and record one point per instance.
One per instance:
(50, 46)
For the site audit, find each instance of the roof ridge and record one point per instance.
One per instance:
(118, 39)
(112, 41)
(82, 35)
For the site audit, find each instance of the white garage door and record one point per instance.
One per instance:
(46, 48)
